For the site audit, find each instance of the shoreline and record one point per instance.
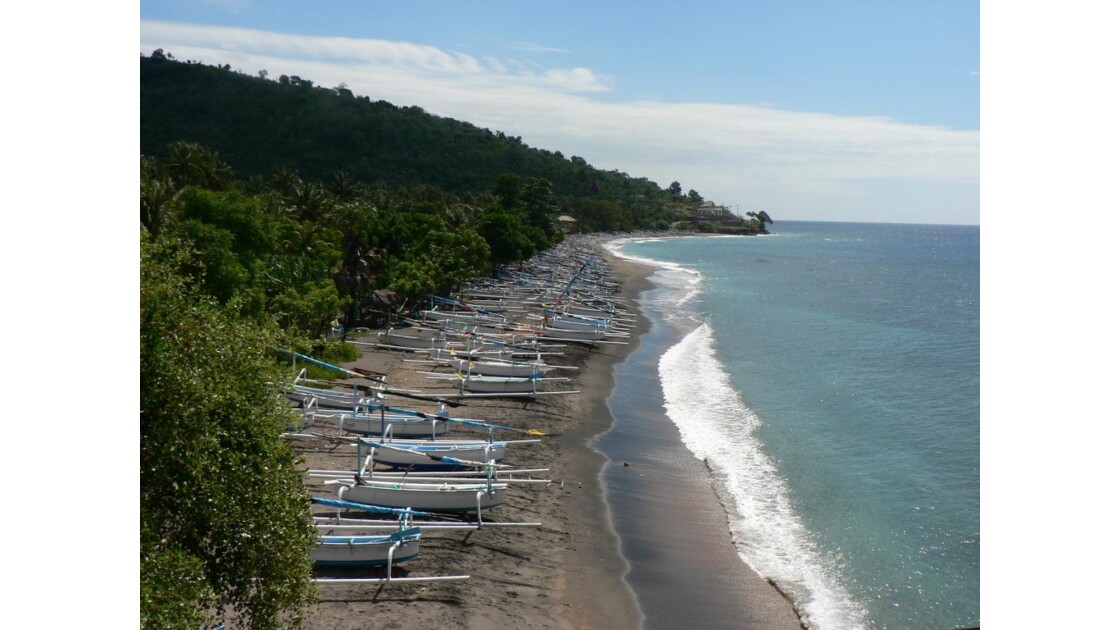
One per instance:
(568, 573)
(672, 517)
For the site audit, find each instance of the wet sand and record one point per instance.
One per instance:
(685, 567)
(569, 572)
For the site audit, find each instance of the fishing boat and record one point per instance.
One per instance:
(515, 476)
(508, 345)
(327, 399)
(429, 455)
(466, 318)
(572, 322)
(304, 392)
(370, 550)
(550, 333)
(497, 367)
(382, 419)
(443, 497)
(484, 307)
(490, 384)
(392, 340)
(474, 383)
(398, 425)
(475, 351)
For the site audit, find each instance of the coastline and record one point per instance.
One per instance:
(808, 397)
(669, 512)
(567, 573)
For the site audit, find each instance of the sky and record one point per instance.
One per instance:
(810, 110)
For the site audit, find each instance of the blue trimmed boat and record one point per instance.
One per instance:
(377, 550)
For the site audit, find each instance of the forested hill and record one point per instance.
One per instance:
(270, 211)
(260, 126)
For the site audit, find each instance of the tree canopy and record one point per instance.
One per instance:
(262, 127)
(224, 522)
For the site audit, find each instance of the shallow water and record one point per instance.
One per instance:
(829, 375)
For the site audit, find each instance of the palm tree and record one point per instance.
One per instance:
(189, 163)
(159, 197)
(458, 215)
(311, 201)
(286, 182)
(343, 186)
(307, 199)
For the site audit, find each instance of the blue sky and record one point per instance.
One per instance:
(857, 111)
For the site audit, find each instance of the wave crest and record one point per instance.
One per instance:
(718, 428)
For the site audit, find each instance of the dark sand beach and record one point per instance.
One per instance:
(569, 572)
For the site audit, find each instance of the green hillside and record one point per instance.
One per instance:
(271, 212)
(261, 126)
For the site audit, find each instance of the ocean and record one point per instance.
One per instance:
(827, 378)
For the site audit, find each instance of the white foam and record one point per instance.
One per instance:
(718, 427)
(683, 284)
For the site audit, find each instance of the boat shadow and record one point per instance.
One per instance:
(383, 593)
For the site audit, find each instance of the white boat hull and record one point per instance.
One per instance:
(466, 319)
(577, 324)
(416, 456)
(498, 384)
(494, 368)
(331, 402)
(393, 340)
(366, 550)
(443, 497)
(572, 335)
(400, 426)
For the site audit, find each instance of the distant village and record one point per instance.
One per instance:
(706, 217)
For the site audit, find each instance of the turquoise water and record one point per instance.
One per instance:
(830, 375)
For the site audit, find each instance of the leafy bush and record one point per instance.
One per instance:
(223, 511)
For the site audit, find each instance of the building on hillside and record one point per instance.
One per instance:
(567, 223)
(710, 209)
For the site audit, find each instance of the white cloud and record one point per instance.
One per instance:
(495, 64)
(796, 164)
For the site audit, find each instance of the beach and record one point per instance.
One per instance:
(570, 571)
